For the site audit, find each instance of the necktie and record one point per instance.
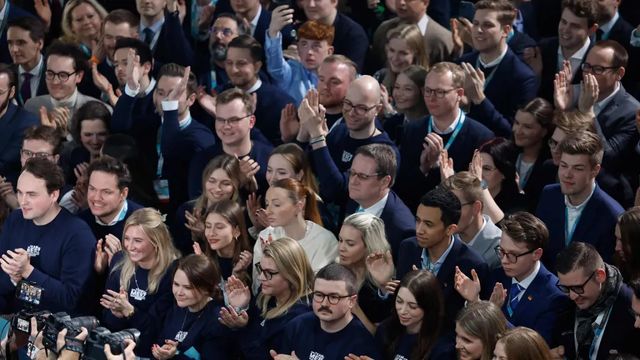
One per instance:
(25, 89)
(599, 34)
(148, 36)
(359, 209)
(515, 290)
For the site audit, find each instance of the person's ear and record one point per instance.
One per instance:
(330, 50)
(477, 207)
(506, 30)
(537, 254)
(191, 99)
(252, 121)
(600, 275)
(451, 229)
(300, 175)
(620, 72)
(592, 30)
(79, 76)
(12, 92)
(258, 65)
(124, 193)
(595, 171)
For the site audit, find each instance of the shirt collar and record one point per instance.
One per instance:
(529, 279)
(155, 27)
(422, 24)
(149, 89)
(36, 70)
(597, 108)
(451, 127)
(496, 61)
(69, 102)
(254, 21)
(121, 215)
(255, 87)
(186, 121)
(578, 55)
(581, 206)
(607, 26)
(376, 209)
(438, 264)
(485, 218)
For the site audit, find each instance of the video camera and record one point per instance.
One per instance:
(99, 337)
(29, 295)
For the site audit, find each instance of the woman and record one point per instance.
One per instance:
(142, 271)
(521, 343)
(364, 249)
(292, 211)
(628, 243)
(405, 46)
(499, 174)
(413, 330)
(82, 24)
(409, 103)
(478, 327)
(532, 127)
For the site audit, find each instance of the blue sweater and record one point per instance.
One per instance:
(443, 349)
(62, 254)
(12, 126)
(269, 103)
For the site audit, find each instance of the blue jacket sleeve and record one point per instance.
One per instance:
(277, 66)
(489, 116)
(122, 118)
(333, 183)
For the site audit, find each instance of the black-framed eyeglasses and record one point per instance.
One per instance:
(332, 298)
(439, 93)
(577, 289)
(226, 32)
(512, 258)
(360, 109)
(363, 176)
(268, 274)
(62, 75)
(30, 154)
(231, 121)
(596, 69)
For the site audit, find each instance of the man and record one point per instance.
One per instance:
(371, 176)
(331, 331)
(496, 81)
(118, 24)
(335, 75)
(577, 25)
(437, 39)
(448, 128)
(600, 322)
(25, 37)
(577, 209)
(8, 12)
(252, 12)
(44, 244)
(475, 229)
(65, 68)
(635, 302)
(13, 123)
(163, 32)
(243, 64)
(109, 208)
(350, 38)
(611, 26)
(434, 248)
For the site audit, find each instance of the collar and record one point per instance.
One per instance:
(255, 87)
(485, 218)
(578, 55)
(186, 121)
(155, 27)
(149, 89)
(496, 61)
(121, 215)
(69, 102)
(529, 279)
(606, 28)
(376, 209)
(35, 71)
(438, 264)
(422, 24)
(581, 206)
(451, 127)
(254, 21)
(3, 12)
(597, 108)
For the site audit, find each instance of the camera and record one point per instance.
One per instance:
(99, 337)
(29, 295)
(59, 321)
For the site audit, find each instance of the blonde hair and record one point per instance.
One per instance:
(152, 224)
(371, 228)
(293, 265)
(411, 34)
(231, 166)
(522, 343)
(485, 321)
(68, 34)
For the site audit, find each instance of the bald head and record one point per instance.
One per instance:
(365, 88)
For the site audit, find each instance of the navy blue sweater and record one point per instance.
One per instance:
(62, 254)
(269, 103)
(12, 126)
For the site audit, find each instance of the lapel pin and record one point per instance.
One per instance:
(529, 297)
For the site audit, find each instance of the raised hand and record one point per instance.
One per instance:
(473, 83)
(257, 214)
(533, 58)
(194, 223)
(134, 70)
(392, 286)
(469, 289)
(207, 101)
(446, 165)
(243, 263)
(181, 87)
(380, 267)
(280, 17)
(248, 168)
(100, 81)
(102, 259)
(44, 11)
(117, 302)
(289, 125)
(386, 99)
(431, 149)
(498, 295)
(311, 115)
(589, 92)
(460, 34)
(196, 248)
(475, 166)
(562, 88)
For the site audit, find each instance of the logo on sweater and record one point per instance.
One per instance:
(316, 356)
(181, 335)
(138, 294)
(346, 156)
(400, 357)
(33, 250)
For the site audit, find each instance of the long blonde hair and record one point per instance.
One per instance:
(152, 224)
(411, 34)
(68, 34)
(293, 265)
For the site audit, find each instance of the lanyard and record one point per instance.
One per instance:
(461, 118)
(598, 330)
(568, 233)
(487, 79)
(524, 177)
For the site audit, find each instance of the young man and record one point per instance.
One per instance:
(25, 37)
(496, 81)
(448, 128)
(335, 75)
(9, 12)
(434, 248)
(252, 13)
(44, 244)
(600, 322)
(331, 331)
(118, 24)
(577, 209)
(243, 64)
(314, 44)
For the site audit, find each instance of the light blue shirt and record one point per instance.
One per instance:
(435, 267)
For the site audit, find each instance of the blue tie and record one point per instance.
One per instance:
(515, 290)
(148, 36)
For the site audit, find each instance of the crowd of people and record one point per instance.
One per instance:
(323, 179)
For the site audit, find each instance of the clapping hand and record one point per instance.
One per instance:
(431, 149)
(473, 83)
(257, 214)
(380, 267)
(468, 288)
(589, 92)
(277, 356)
(117, 302)
(166, 351)
(446, 165)
(289, 125)
(498, 295)
(105, 250)
(244, 262)
(562, 88)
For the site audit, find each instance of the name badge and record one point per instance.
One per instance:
(346, 156)
(161, 186)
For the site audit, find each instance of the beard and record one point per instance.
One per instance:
(218, 52)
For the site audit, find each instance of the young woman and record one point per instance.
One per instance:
(292, 211)
(82, 23)
(521, 343)
(499, 174)
(478, 327)
(413, 330)
(628, 243)
(141, 272)
(409, 103)
(405, 46)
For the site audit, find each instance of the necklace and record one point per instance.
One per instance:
(137, 293)
(181, 335)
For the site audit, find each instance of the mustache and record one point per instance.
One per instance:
(325, 308)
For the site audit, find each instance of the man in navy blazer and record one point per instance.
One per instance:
(434, 248)
(25, 37)
(371, 176)
(577, 209)
(600, 323)
(11, 12)
(497, 82)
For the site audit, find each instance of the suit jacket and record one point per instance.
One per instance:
(262, 26)
(437, 40)
(461, 256)
(595, 226)
(513, 85)
(540, 176)
(33, 105)
(350, 40)
(486, 241)
(12, 126)
(42, 83)
(541, 305)
(13, 13)
(549, 52)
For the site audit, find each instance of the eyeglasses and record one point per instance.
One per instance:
(332, 298)
(552, 143)
(268, 274)
(512, 258)
(362, 176)
(30, 154)
(577, 289)
(439, 93)
(231, 121)
(596, 69)
(357, 109)
(62, 75)
(226, 32)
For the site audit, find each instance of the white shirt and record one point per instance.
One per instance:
(255, 87)
(526, 281)
(484, 223)
(450, 128)
(597, 108)
(422, 24)
(35, 78)
(606, 28)
(574, 211)
(496, 61)
(376, 209)
(576, 58)
(254, 21)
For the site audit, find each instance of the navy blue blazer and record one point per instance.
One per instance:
(14, 13)
(399, 221)
(619, 334)
(595, 226)
(350, 40)
(262, 25)
(541, 305)
(411, 183)
(42, 84)
(513, 85)
(269, 103)
(109, 72)
(540, 176)
(172, 46)
(549, 52)
(12, 126)
(462, 256)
